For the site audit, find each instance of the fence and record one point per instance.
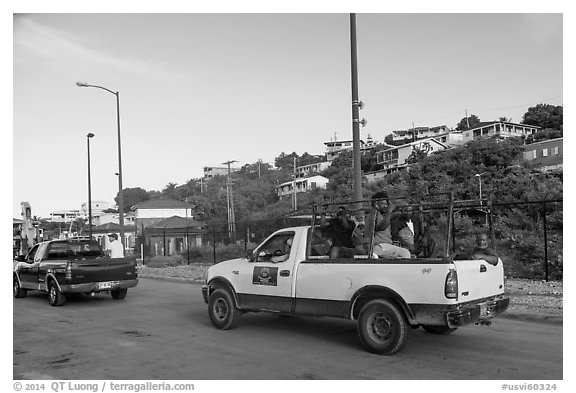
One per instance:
(528, 237)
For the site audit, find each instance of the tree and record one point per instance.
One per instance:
(545, 116)
(541, 135)
(468, 122)
(132, 196)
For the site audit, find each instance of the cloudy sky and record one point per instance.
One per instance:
(200, 89)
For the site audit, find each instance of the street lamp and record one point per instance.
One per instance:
(479, 176)
(88, 137)
(120, 192)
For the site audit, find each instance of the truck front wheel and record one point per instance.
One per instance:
(222, 310)
(382, 327)
(55, 296)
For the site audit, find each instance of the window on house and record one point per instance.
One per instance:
(530, 155)
(556, 150)
(544, 152)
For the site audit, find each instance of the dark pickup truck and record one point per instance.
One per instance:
(66, 266)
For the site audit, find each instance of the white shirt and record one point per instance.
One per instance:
(116, 249)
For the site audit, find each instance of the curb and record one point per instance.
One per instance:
(508, 314)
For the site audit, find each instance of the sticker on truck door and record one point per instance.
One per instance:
(265, 276)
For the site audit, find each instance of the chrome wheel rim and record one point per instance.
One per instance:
(220, 309)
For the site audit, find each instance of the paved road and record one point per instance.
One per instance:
(161, 331)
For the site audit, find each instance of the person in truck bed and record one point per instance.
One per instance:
(482, 251)
(340, 230)
(378, 222)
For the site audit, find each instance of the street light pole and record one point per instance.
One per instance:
(120, 191)
(88, 136)
(479, 176)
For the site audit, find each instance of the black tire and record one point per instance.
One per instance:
(438, 329)
(55, 296)
(119, 294)
(19, 292)
(382, 327)
(222, 310)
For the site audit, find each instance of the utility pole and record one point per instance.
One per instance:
(467, 122)
(356, 105)
(230, 204)
(413, 133)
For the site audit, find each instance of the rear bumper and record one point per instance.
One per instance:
(98, 286)
(481, 312)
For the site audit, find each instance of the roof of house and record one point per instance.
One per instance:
(176, 222)
(488, 123)
(391, 147)
(162, 204)
(112, 227)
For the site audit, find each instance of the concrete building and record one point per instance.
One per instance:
(65, 216)
(395, 158)
(307, 170)
(501, 129)
(335, 147)
(154, 210)
(546, 155)
(211, 171)
(97, 208)
(419, 133)
(302, 185)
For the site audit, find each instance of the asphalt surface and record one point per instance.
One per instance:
(161, 331)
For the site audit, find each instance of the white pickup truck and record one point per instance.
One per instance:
(387, 297)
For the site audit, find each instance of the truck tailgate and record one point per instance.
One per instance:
(478, 279)
(103, 269)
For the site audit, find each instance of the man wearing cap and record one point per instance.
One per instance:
(115, 248)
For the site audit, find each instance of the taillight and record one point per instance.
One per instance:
(68, 271)
(451, 286)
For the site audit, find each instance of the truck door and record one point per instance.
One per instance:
(28, 270)
(266, 283)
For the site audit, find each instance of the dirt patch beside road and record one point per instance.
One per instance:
(529, 299)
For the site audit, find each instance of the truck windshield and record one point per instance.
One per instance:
(88, 248)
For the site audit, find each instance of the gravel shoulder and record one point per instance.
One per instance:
(535, 300)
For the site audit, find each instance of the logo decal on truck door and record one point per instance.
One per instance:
(265, 276)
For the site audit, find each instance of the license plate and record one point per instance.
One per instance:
(483, 309)
(105, 285)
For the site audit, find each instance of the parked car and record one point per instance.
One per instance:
(75, 265)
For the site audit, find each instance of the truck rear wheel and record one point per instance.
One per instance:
(119, 294)
(222, 311)
(19, 292)
(438, 329)
(55, 296)
(382, 327)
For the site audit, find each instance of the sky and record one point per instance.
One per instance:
(199, 89)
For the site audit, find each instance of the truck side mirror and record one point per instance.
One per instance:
(250, 255)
